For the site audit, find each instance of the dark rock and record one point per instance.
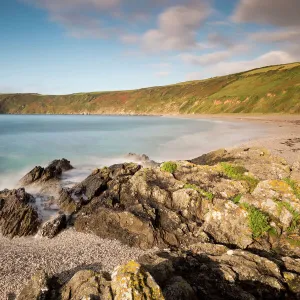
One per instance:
(53, 227)
(17, 216)
(40, 174)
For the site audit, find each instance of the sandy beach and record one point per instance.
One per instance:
(71, 250)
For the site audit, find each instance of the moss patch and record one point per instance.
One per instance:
(207, 195)
(258, 221)
(169, 166)
(236, 199)
(238, 173)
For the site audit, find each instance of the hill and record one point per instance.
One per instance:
(273, 89)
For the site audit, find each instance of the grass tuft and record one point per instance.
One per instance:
(236, 199)
(293, 184)
(258, 221)
(207, 195)
(169, 167)
(238, 173)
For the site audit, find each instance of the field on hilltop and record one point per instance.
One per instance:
(274, 89)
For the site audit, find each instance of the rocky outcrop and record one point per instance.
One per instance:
(18, 217)
(41, 175)
(259, 162)
(127, 282)
(223, 203)
(200, 271)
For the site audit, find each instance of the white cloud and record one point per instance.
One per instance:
(274, 12)
(177, 28)
(267, 59)
(214, 57)
(288, 35)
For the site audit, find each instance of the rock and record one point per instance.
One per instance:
(131, 282)
(17, 216)
(51, 228)
(226, 229)
(37, 289)
(259, 162)
(41, 175)
(293, 281)
(178, 289)
(87, 284)
(143, 159)
(295, 174)
(123, 226)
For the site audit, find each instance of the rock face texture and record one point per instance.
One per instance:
(51, 228)
(17, 216)
(41, 175)
(244, 198)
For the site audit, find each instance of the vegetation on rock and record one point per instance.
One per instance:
(273, 89)
(169, 167)
(258, 221)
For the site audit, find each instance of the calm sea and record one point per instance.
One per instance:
(95, 141)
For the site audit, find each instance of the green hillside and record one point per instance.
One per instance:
(274, 89)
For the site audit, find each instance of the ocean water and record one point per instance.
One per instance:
(97, 141)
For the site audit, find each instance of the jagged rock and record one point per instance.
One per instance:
(37, 289)
(123, 226)
(258, 161)
(143, 159)
(131, 282)
(87, 284)
(51, 228)
(17, 216)
(41, 175)
(228, 224)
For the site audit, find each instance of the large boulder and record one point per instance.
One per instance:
(18, 217)
(87, 284)
(132, 282)
(120, 225)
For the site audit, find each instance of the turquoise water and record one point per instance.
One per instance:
(94, 141)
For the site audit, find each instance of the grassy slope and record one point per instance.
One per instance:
(274, 89)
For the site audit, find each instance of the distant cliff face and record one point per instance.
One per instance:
(274, 89)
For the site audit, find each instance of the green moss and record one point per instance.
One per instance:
(293, 184)
(238, 173)
(258, 221)
(236, 199)
(295, 243)
(169, 167)
(208, 195)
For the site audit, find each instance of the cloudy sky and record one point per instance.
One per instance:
(66, 46)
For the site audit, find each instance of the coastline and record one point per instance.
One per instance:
(282, 138)
(282, 132)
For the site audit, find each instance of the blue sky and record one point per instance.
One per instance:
(68, 46)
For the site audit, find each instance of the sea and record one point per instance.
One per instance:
(91, 142)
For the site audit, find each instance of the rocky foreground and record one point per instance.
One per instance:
(224, 226)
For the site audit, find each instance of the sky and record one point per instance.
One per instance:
(70, 46)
